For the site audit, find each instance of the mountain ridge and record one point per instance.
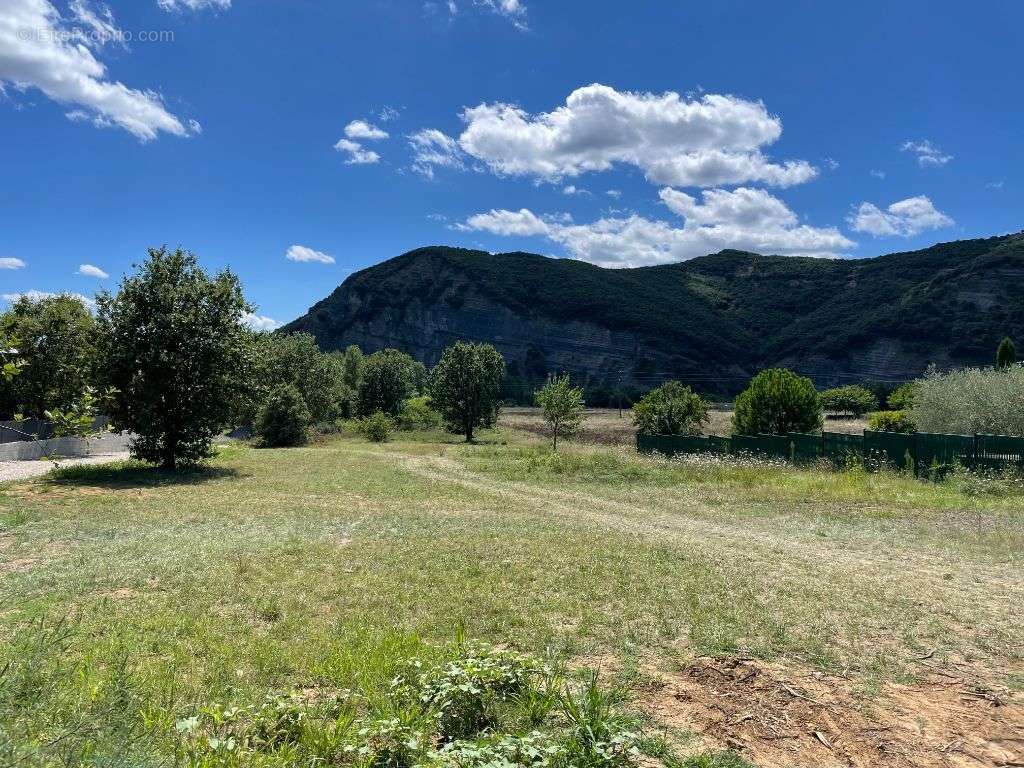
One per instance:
(716, 318)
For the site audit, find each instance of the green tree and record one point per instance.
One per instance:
(562, 407)
(296, 359)
(386, 382)
(849, 399)
(1006, 354)
(891, 421)
(284, 419)
(671, 409)
(352, 367)
(10, 362)
(465, 384)
(57, 353)
(171, 344)
(902, 398)
(775, 402)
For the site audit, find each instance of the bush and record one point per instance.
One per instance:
(849, 399)
(376, 427)
(777, 401)
(891, 421)
(971, 400)
(284, 419)
(418, 414)
(671, 409)
(901, 398)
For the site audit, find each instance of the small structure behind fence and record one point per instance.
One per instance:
(920, 452)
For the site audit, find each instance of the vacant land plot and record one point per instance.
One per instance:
(609, 426)
(799, 617)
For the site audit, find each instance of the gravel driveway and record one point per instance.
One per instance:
(23, 470)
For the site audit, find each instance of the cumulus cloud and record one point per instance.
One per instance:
(90, 270)
(259, 322)
(357, 154)
(194, 5)
(904, 218)
(360, 129)
(431, 149)
(34, 295)
(705, 142)
(513, 10)
(9, 262)
(745, 219)
(40, 49)
(927, 153)
(302, 254)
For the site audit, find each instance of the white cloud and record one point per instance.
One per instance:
(994, 185)
(92, 271)
(357, 154)
(877, 174)
(514, 10)
(614, 193)
(194, 5)
(927, 153)
(301, 253)
(904, 218)
(432, 148)
(387, 114)
(34, 295)
(744, 219)
(360, 129)
(259, 322)
(9, 262)
(832, 163)
(711, 141)
(40, 49)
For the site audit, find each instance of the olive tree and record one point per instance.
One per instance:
(775, 402)
(172, 344)
(671, 409)
(465, 384)
(562, 407)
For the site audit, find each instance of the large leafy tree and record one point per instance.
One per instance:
(173, 345)
(465, 384)
(56, 353)
(671, 409)
(387, 381)
(851, 398)
(562, 407)
(296, 360)
(777, 401)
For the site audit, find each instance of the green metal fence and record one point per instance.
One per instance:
(922, 452)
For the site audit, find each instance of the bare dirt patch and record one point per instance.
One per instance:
(778, 716)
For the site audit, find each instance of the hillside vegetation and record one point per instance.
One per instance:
(717, 318)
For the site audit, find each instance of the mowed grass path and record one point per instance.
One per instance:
(323, 566)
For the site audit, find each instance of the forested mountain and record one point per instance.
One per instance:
(711, 321)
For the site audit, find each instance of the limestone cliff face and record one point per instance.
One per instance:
(711, 321)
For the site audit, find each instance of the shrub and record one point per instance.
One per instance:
(671, 409)
(562, 407)
(849, 399)
(901, 398)
(465, 386)
(417, 413)
(376, 427)
(1006, 354)
(284, 419)
(891, 421)
(777, 401)
(971, 400)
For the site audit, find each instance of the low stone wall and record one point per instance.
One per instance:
(31, 450)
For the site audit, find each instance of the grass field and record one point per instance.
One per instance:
(798, 616)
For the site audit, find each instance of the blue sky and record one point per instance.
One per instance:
(296, 141)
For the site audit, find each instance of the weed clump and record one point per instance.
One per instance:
(483, 706)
